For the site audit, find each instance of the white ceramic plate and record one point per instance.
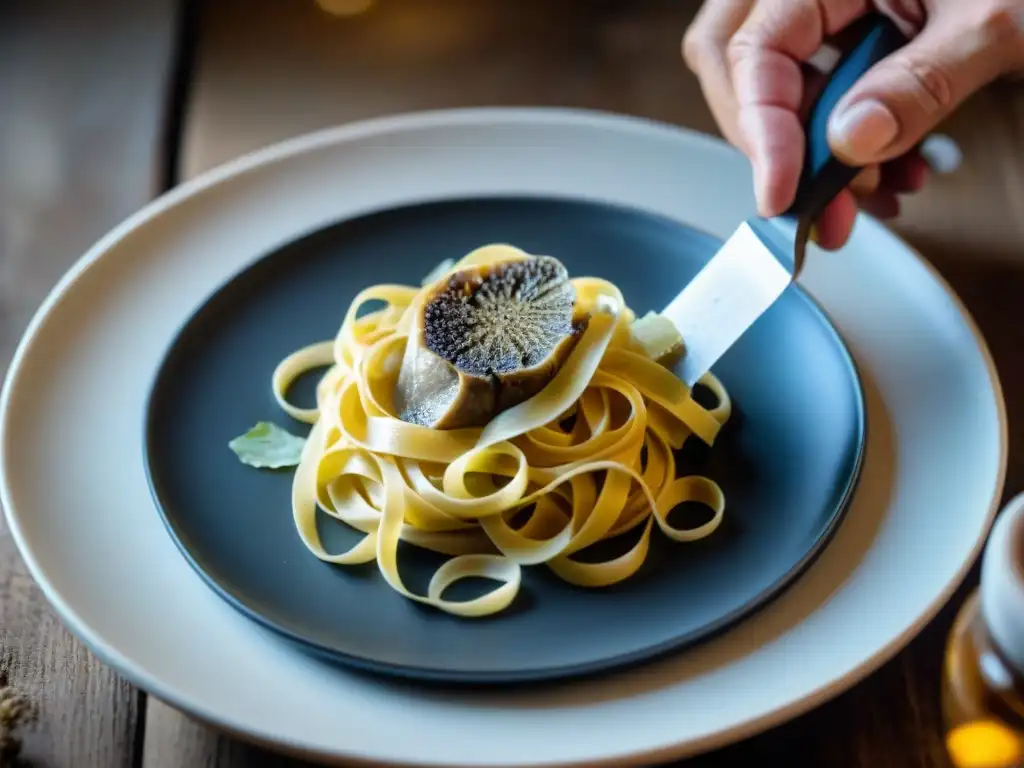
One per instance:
(78, 506)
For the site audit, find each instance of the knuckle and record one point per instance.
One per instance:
(738, 49)
(911, 12)
(1002, 26)
(693, 46)
(933, 84)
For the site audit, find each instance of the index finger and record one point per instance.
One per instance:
(704, 46)
(765, 57)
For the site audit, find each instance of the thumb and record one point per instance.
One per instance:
(904, 96)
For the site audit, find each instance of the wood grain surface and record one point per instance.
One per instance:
(74, 159)
(81, 120)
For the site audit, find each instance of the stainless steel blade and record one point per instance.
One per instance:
(745, 277)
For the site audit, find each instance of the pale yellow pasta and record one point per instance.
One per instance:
(464, 493)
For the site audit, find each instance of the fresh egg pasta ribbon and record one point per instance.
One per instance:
(587, 459)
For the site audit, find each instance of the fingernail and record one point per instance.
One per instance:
(862, 130)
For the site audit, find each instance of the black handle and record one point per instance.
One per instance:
(823, 175)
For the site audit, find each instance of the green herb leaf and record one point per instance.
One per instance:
(266, 445)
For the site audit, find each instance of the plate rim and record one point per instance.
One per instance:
(310, 142)
(838, 506)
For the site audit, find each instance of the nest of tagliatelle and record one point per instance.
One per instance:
(500, 413)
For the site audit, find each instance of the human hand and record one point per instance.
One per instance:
(751, 57)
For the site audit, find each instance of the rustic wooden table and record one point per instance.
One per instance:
(108, 103)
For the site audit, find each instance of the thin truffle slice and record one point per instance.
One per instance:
(486, 339)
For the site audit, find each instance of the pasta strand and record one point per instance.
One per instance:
(525, 490)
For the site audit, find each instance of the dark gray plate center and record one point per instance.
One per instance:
(787, 461)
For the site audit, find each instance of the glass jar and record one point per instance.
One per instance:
(983, 674)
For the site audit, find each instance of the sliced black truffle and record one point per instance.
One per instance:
(488, 338)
